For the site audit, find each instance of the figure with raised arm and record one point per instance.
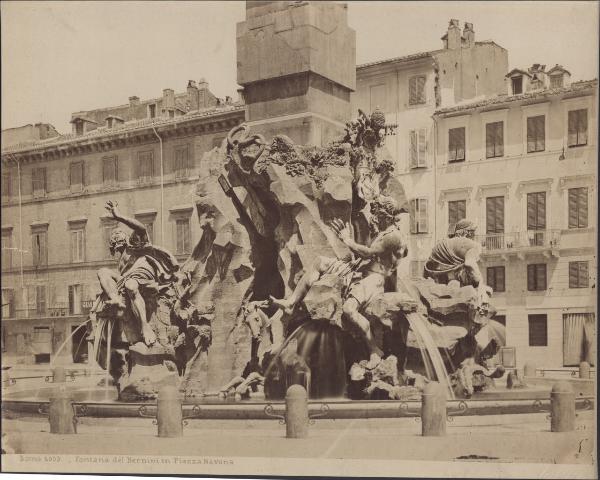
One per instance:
(365, 274)
(143, 270)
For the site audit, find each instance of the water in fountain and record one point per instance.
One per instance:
(434, 364)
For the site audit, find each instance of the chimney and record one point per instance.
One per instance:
(452, 39)
(202, 93)
(168, 101)
(468, 35)
(192, 95)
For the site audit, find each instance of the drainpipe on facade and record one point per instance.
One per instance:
(435, 173)
(162, 192)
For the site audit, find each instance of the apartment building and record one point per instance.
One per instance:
(146, 155)
(523, 165)
(408, 90)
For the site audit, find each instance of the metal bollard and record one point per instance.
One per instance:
(584, 370)
(61, 413)
(296, 412)
(433, 410)
(59, 375)
(169, 414)
(529, 370)
(562, 408)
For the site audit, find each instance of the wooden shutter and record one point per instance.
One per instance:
(573, 274)
(572, 136)
(573, 208)
(541, 276)
(582, 127)
(422, 161)
(420, 85)
(456, 144)
(412, 91)
(414, 151)
(500, 286)
(452, 145)
(540, 141)
(489, 140)
(531, 283)
(494, 215)
(422, 214)
(413, 216)
(536, 211)
(499, 139)
(460, 152)
(582, 208)
(40, 299)
(583, 275)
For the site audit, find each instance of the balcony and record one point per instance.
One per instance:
(58, 309)
(519, 243)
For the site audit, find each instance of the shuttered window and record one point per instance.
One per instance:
(109, 171)
(39, 248)
(495, 278)
(77, 245)
(578, 127)
(556, 81)
(182, 236)
(38, 178)
(6, 249)
(149, 230)
(75, 299)
(536, 277)
(6, 185)
(40, 299)
(536, 134)
(418, 148)
(456, 144)
(76, 176)
(457, 210)
(578, 275)
(181, 163)
(536, 211)
(416, 90)
(517, 85)
(538, 330)
(418, 215)
(377, 100)
(494, 139)
(145, 167)
(494, 215)
(578, 207)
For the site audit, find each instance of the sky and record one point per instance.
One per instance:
(63, 57)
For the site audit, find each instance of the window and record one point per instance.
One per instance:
(578, 207)
(42, 338)
(39, 241)
(517, 85)
(494, 215)
(40, 299)
(456, 144)
(579, 339)
(182, 235)
(145, 167)
(418, 215)
(536, 217)
(8, 303)
(109, 171)
(6, 185)
(418, 148)
(78, 245)
(495, 278)
(457, 210)
(6, 249)
(416, 90)
(494, 139)
(536, 134)
(78, 127)
(75, 299)
(181, 165)
(538, 330)
(76, 176)
(578, 275)
(38, 177)
(536, 277)
(556, 81)
(149, 229)
(578, 127)
(377, 97)
(152, 110)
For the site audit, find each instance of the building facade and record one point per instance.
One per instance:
(55, 228)
(523, 166)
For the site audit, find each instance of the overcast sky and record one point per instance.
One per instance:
(61, 57)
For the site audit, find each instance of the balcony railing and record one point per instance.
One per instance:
(58, 309)
(519, 240)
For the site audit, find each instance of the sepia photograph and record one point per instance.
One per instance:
(299, 238)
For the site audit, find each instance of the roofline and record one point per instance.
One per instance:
(579, 86)
(101, 134)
